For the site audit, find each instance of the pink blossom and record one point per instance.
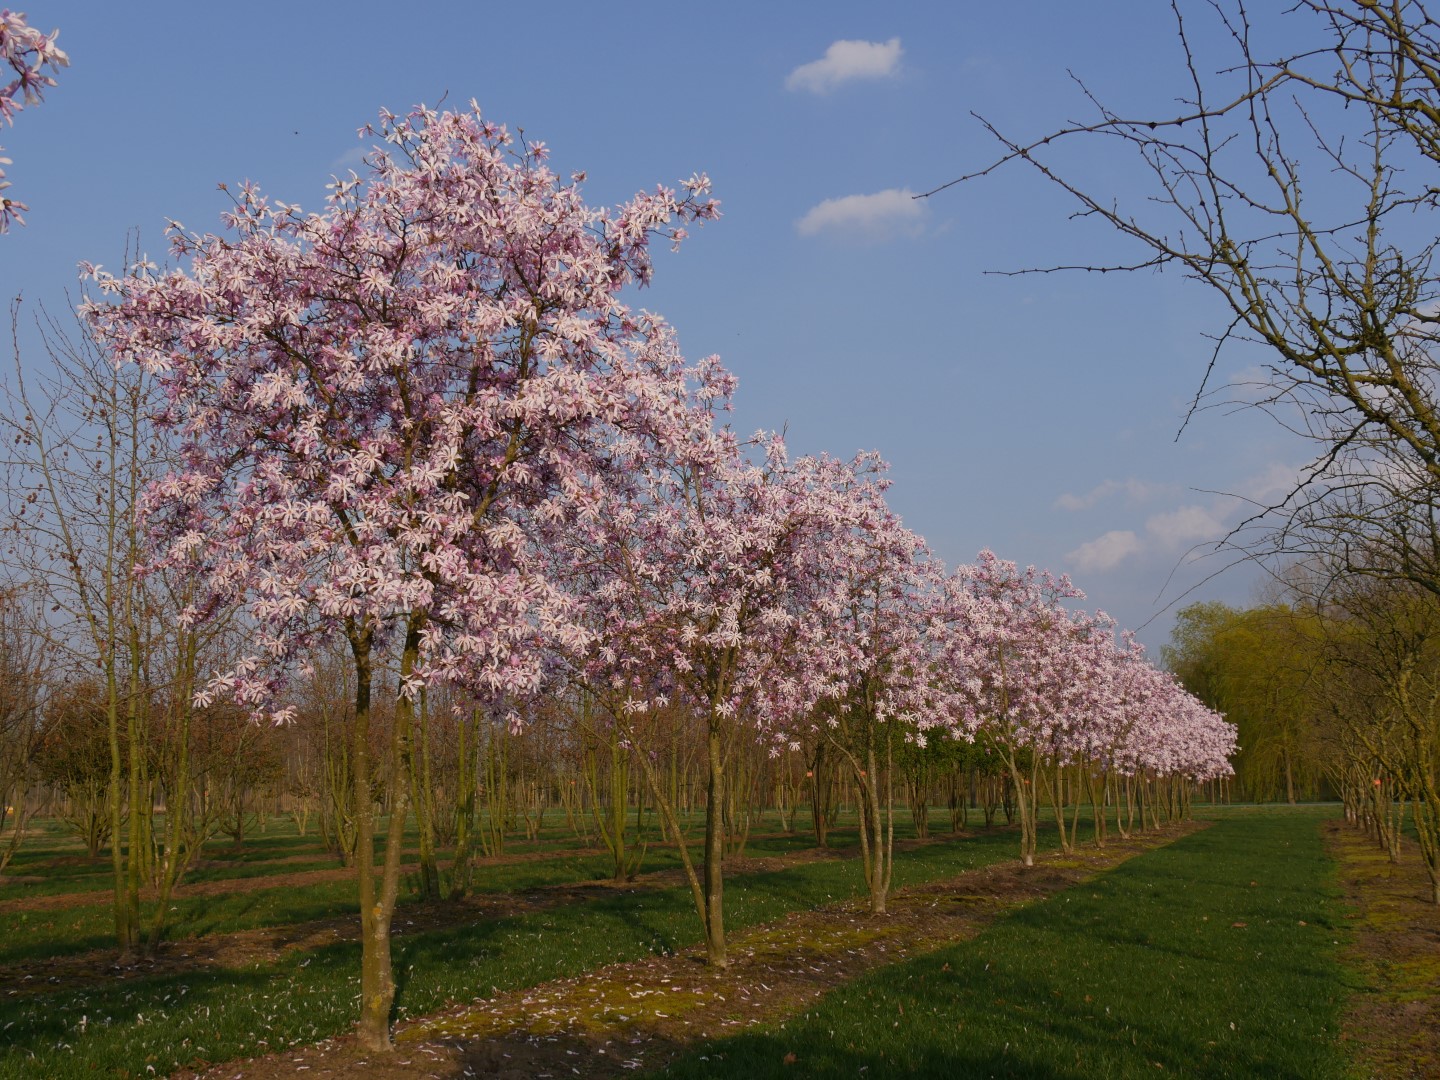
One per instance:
(29, 53)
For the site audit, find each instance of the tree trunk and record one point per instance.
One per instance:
(1097, 803)
(820, 795)
(1027, 801)
(377, 981)
(1057, 800)
(460, 867)
(715, 849)
(177, 853)
(666, 805)
(422, 796)
(125, 925)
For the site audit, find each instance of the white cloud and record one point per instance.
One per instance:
(1134, 491)
(872, 217)
(1104, 552)
(1187, 525)
(1270, 484)
(846, 60)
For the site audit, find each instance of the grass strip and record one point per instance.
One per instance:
(41, 934)
(1216, 956)
(163, 1023)
(59, 872)
(52, 863)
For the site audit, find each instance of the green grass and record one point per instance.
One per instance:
(1141, 972)
(223, 1014)
(52, 862)
(37, 935)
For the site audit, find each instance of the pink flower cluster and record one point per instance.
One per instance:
(29, 53)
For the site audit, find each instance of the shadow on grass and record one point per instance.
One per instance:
(220, 1014)
(1139, 972)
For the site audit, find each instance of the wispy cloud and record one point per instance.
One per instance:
(1272, 482)
(881, 216)
(1187, 525)
(1133, 490)
(845, 61)
(1169, 532)
(1105, 552)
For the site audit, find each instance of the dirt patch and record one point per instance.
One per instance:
(1392, 1022)
(640, 1014)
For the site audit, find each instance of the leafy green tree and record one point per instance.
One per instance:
(1258, 666)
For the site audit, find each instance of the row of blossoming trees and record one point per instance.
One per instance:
(424, 427)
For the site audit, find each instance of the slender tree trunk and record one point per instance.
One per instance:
(1097, 799)
(177, 853)
(1057, 800)
(610, 817)
(1074, 787)
(820, 795)
(497, 789)
(885, 861)
(1025, 797)
(715, 849)
(666, 805)
(125, 930)
(422, 789)
(377, 984)
(460, 867)
(139, 817)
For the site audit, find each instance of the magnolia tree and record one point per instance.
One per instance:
(700, 582)
(1134, 725)
(384, 405)
(1121, 678)
(871, 634)
(1073, 728)
(1007, 633)
(29, 53)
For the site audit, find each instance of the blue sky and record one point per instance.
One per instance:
(1033, 415)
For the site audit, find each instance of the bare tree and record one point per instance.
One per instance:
(79, 459)
(23, 662)
(1302, 189)
(81, 449)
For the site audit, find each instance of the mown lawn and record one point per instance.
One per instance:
(51, 858)
(1216, 956)
(128, 1027)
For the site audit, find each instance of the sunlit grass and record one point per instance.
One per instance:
(171, 1021)
(68, 931)
(1216, 956)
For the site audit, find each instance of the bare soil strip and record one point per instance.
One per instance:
(1392, 1024)
(638, 1015)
